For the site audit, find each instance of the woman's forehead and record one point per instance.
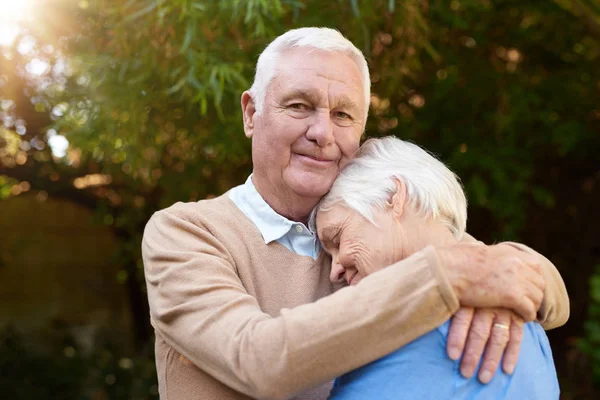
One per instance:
(332, 220)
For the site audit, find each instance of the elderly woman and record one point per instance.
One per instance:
(392, 200)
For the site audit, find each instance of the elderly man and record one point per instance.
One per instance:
(239, 290)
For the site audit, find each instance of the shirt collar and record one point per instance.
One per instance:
(271, 225)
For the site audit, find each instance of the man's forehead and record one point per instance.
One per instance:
(299, 76)
(298, 62)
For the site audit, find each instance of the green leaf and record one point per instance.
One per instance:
(355, 8)
(249, 11)
(141, 12)
(189, 34)
(175, 88)
(198, 6)
(432, 52)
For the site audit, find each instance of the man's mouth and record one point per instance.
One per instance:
(316, 159)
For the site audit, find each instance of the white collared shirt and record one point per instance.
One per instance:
(273, 227)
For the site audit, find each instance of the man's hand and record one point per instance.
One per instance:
(494, 276)
(497, 331)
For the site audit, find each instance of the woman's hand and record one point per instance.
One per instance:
(498, 331)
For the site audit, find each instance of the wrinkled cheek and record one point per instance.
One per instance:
(363, 268)
(343, 162)
(347, 156)
(366, 264)
(348, 140)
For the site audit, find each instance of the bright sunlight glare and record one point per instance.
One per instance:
(8, 33)
(59, 145)
(14, 10)
(12, 13)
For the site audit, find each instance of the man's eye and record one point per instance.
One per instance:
(298, 106)
(342, 115)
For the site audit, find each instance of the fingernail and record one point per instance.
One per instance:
(510, 368)
(466, 372)
(485, 376)
(454, 353)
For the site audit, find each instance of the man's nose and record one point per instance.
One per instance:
(337, 273)
(321, 129)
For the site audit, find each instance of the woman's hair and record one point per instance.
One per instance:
(368, 182)
(326, 39)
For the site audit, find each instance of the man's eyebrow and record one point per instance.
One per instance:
(301, 93)
(347, 103)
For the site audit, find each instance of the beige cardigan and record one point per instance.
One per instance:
(233, 315)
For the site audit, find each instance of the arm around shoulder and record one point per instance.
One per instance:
(199, 305)
(555, 309)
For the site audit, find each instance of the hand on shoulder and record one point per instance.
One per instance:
(494, 276)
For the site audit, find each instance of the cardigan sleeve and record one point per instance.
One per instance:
(555, 309)
(200, 307)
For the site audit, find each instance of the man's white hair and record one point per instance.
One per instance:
(326, 39)
(368, 182)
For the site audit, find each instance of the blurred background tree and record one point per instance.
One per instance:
(127, 107)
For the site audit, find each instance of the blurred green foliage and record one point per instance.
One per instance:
(147, 93)
(590, 343)
(60, 370)
(36, 376)
(151, 90)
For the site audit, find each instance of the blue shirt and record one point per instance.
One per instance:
(273, 227)
(421, 370)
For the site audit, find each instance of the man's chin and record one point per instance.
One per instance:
(310, 185)
(312, 189)
(311, 192)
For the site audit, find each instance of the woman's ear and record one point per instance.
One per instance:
(399, 198)
(248, 111)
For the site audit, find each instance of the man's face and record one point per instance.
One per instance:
(311, 124)
(357, 247)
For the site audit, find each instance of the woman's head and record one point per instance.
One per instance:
(387, 202)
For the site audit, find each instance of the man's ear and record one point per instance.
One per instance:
(399, 198)
(248, 111)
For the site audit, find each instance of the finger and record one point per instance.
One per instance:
(536, 298)
(511, 355)
(481, 327)
(459, 329)
(529, 283)
(525, 307)
(495, 347)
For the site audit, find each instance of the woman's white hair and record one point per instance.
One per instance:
(326, 39)
(368, 182)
